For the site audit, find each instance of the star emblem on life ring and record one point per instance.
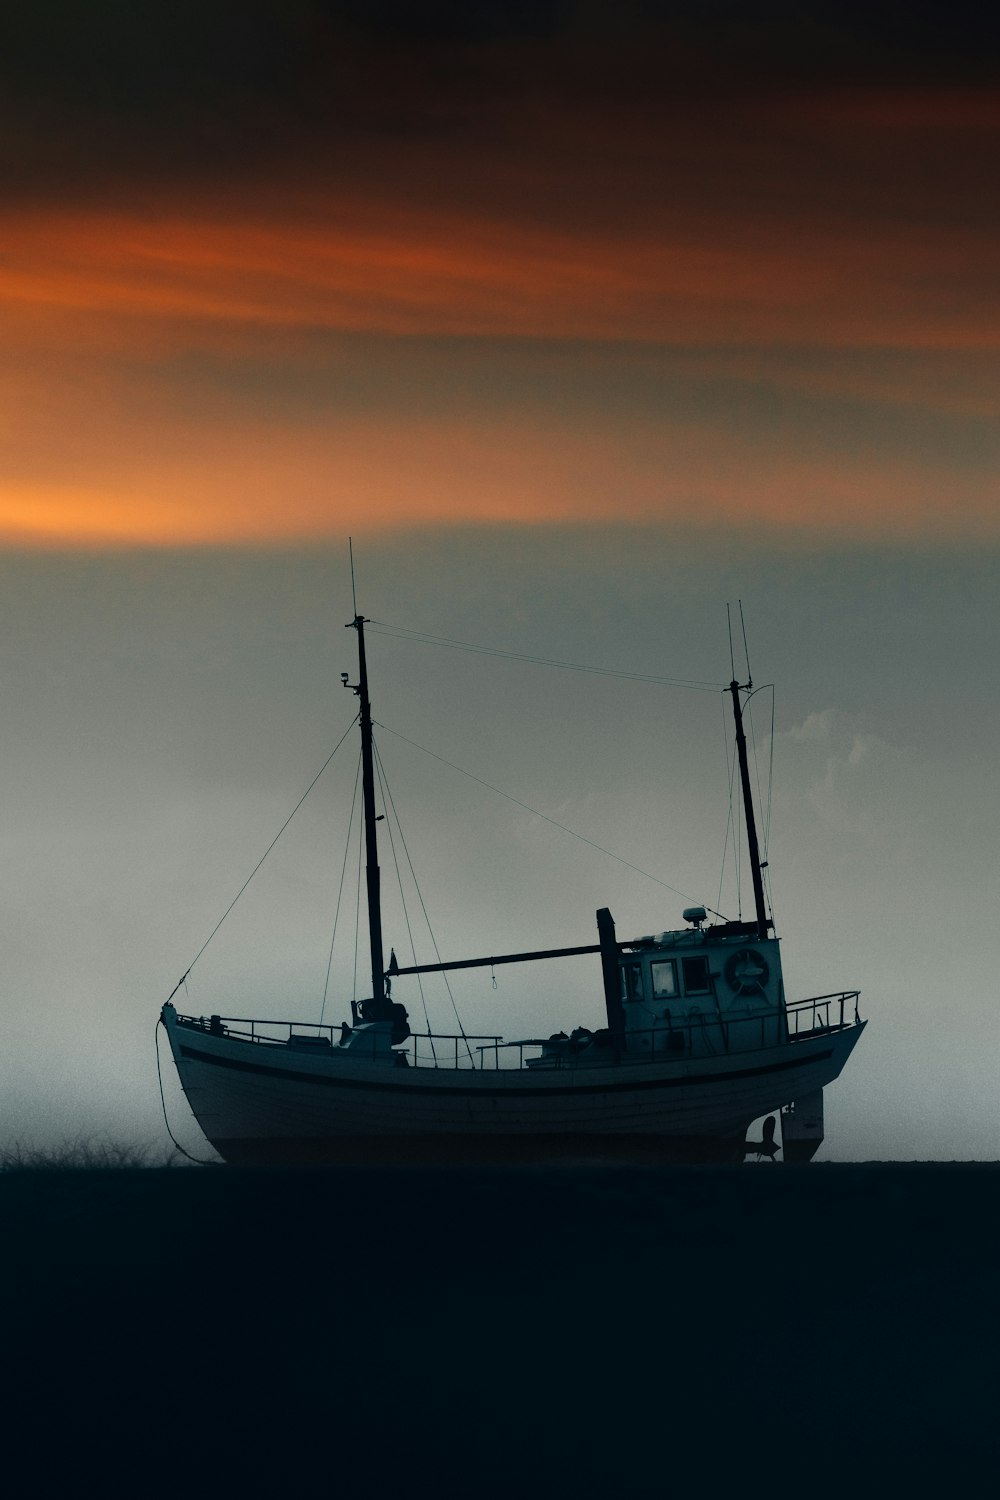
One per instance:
(746, 970)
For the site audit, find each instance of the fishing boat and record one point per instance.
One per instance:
(695, 1042)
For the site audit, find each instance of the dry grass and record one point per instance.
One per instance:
(86, 1153)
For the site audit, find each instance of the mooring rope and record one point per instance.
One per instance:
(199, 1161)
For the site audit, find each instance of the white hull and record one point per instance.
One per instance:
(257, 1101)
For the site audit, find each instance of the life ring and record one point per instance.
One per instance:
(747, 970)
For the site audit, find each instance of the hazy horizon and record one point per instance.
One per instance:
(583, 320)
(166, 711)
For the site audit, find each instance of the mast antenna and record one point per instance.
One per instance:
(732, 659)
(354, 593)
(746, 652)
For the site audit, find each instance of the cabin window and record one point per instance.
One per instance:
(696, 976)
(664, 979)
(632, 986)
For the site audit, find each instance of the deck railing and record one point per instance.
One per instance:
(831, 1012)
(719, 1034)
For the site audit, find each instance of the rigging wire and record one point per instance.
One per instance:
(423, 637)
(739, 819)
(357, 908)
(764, 687)
(423, 907)
(555, 824)
(765, 872)
(340, 892)
(387, 802)
(746, 652)
(753, 751)
(770, 778)
(730, 777)
(267, 851)
(756, 764)
(767, 822)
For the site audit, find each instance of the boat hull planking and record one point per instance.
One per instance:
(259, 1103)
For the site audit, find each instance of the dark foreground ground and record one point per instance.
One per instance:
(701, 1331)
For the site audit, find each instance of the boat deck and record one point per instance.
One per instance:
(721, 1034)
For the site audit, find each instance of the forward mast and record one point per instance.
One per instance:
(381, 1006)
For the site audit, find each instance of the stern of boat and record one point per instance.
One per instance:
(802, 1127)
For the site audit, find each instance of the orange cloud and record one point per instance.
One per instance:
(280, 485)
(793, 249)
(447, 275)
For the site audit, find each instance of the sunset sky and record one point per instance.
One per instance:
(582, 319)
(269, 269)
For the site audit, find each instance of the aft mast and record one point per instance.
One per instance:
(755, 867)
